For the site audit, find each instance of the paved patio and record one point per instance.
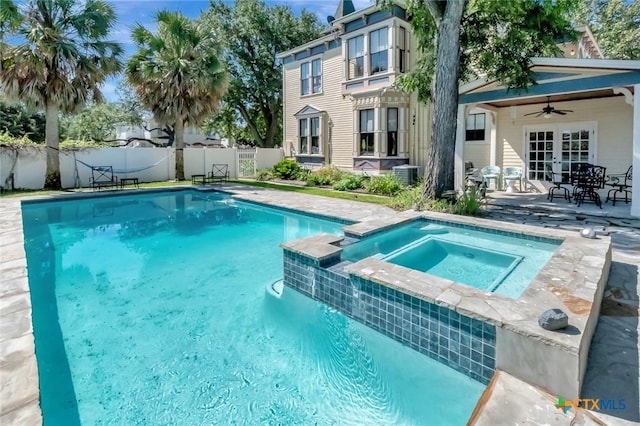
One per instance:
(612, 372)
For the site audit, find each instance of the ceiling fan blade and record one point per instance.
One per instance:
(564, 110)
(532, 113)
(557, 111)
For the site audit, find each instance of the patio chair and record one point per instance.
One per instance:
(219, 172)
(511, 175)
(102, 177)
(491, 173)
(557, 180)
(620, 183)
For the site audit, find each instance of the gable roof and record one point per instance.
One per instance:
(308, 110)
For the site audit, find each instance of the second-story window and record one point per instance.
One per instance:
(475, 126)
(378, 49)
(402, 49)
(366, 132)
(356, 57)
(305, 79)
(311, 77)
(316, 75)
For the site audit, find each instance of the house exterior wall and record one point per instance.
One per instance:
(338, 126)
(612, 118)
(341, 99)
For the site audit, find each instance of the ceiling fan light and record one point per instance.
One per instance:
(547, 115)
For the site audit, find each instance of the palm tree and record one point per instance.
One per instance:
(60, 59)
(177, 75)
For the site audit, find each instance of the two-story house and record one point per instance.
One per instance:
(340, 104)
(341, 107)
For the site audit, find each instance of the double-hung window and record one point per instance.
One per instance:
(474, 128)
(315, 135)
(392, 131)
(356, 57)
(378, 48)
(305, 79)
(402, 49)
(311, 77)
(304, 136)
(366, 132)
(309, 135)
(316, 75)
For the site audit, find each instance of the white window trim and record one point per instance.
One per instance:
(321, 134)
(366, 33)
(310, 61)
(484, 141)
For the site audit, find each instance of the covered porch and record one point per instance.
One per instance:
(581, 111)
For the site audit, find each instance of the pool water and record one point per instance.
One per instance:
(480, 268)
(153, 309)
(484, 259)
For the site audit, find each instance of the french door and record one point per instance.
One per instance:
(556, 146)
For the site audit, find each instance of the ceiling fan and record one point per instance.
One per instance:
(546, 111)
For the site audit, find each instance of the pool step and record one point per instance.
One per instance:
(276, 288)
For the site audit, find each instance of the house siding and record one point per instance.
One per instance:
(338, 109)
(612, 117)
(339, 102)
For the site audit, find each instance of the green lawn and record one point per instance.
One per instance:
(368, 198)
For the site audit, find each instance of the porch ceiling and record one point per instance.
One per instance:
(595, 94)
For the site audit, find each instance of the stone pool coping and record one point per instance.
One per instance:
(573, 280)
(19, 392)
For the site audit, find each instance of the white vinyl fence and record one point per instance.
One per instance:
(24, 167)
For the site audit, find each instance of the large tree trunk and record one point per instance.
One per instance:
(439, 173)
(179, 136)
(52, 175)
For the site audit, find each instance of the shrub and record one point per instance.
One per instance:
(264, 174)
(469, 204)
(286, 169)
(384, 185)
(303, 174)
(324, 176)
(408, 198)
(350, 182)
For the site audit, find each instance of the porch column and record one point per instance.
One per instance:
(459, 159)
(635, 189)
(493, 152)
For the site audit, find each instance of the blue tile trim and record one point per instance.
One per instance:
(463, 343)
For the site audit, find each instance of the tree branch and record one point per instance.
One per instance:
(434, 9)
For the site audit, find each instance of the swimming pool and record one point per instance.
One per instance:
(152, 309)
(502, 262)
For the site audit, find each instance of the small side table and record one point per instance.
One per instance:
(198, 178)
(132, 181)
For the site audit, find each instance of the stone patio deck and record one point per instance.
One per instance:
(612, 370)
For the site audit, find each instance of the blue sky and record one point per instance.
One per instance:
(142, 11)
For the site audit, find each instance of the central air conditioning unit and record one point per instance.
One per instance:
(407, 175)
